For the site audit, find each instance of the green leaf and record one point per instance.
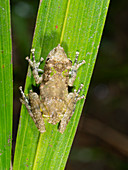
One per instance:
(76, 25)
(6, 91)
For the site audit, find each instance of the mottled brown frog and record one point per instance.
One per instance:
(55, 103)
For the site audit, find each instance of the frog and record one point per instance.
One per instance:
(54, 103)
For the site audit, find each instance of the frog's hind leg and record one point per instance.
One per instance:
(72, 99)
(33, 109)
(66, 117)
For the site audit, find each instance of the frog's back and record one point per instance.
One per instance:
(54, 88)
(55, 109)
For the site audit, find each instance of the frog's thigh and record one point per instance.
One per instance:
(35, 108)
(68, 113)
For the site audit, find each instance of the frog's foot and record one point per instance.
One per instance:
(33, 63)
(77, 97)
(35, 67)
(25, 101)
(76, 59)
(74, 69)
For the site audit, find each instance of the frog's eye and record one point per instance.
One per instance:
(70, 61)
(48, 59)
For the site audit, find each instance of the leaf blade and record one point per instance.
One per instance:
(52, 149)
(6, 91)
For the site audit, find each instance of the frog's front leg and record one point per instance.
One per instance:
(72, 99)
(33, 109)
(35, 67)
(74, 69)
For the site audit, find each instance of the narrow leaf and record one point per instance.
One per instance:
(6, 93)
(76, 25)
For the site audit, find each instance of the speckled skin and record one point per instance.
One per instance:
(55, 103)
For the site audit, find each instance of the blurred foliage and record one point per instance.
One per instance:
(95, 158)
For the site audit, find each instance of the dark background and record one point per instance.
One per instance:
(101, 141)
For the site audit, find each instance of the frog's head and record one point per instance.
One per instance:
(57, 60)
